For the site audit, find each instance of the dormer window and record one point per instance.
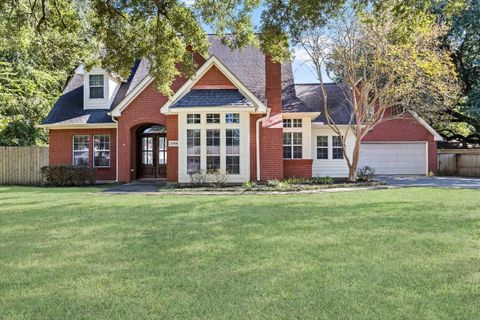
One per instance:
(96, 86)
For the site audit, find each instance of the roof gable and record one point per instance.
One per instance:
(210, 63)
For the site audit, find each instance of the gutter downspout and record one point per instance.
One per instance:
(116, 151)
(257, 140)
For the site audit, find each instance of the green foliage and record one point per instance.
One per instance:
(463, 39)
(365, 174)
(322, 180)
(249, 185)
(68, 175)
(38, 49)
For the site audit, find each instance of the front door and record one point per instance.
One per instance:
(152, 156)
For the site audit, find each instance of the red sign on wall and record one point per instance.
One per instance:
(275, 121)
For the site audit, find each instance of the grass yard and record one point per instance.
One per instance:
(385, 254)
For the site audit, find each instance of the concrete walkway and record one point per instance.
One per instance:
(435, 182)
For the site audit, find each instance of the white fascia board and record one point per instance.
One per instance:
(213, 61)
(131, 96)
(325, 125)
(77, 126)
(311, 115)
(436, 135)
(212, 109)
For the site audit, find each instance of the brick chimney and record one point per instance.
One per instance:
(273, 85)
(271, 137)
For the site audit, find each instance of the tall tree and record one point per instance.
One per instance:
(382, 62)
(463, 39)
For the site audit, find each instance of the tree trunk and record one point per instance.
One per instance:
(352, 169)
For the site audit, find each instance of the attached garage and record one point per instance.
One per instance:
(395, 157)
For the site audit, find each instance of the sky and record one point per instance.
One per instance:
(303, 69)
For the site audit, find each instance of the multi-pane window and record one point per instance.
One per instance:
(213, 149)
(80, 150)
(101, 151)
(213, 118)
(147, 151)
(322, 147)
(292, 123)
(232, 118)
(162, 150)
(232, 144)
(337, 152)
(193, 118)
(292, 145)
(96, 86)
(296, 123)
(193, 150)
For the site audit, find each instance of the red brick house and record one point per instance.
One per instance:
(241, 114)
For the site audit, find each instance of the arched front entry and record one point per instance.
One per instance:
(152, 152)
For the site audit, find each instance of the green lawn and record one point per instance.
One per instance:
(386, 254)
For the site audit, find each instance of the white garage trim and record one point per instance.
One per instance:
(408, 170)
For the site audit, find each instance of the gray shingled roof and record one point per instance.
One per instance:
(212, 98)
(247, 64)
(337, 99)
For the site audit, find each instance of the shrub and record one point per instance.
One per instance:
(283, 186)
(218, 177)
(272, 182)
(249, 185)
(294, 181)
(198, 178)
(68, 175)
(322, 180)
(365, 174)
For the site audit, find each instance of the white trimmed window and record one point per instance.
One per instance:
(292, 145)
(81, 149)
(292, 123)
(232, 118)
(322, 147)
(296, 123)
(213, 149)
(96, 83)
(193, 118)
(213, 118)
(287, 123)
(101, 151)
(193, 150)
(337, 152)
(232, 143)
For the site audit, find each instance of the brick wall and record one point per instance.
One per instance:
(61, 149)
(405, 129)
(214, 79)
(271, 139)
(297, 168)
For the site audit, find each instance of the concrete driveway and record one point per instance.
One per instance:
(424, 181)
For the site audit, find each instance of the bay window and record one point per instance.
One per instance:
(101, 151)
(193, 118)
(213, 143)
(232, 151)
(81, 149)
(213, 149)
(193, 150)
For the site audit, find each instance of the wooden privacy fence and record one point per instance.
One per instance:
(21, 165)
(452, 162)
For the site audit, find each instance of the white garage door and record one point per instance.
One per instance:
(395, 158)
